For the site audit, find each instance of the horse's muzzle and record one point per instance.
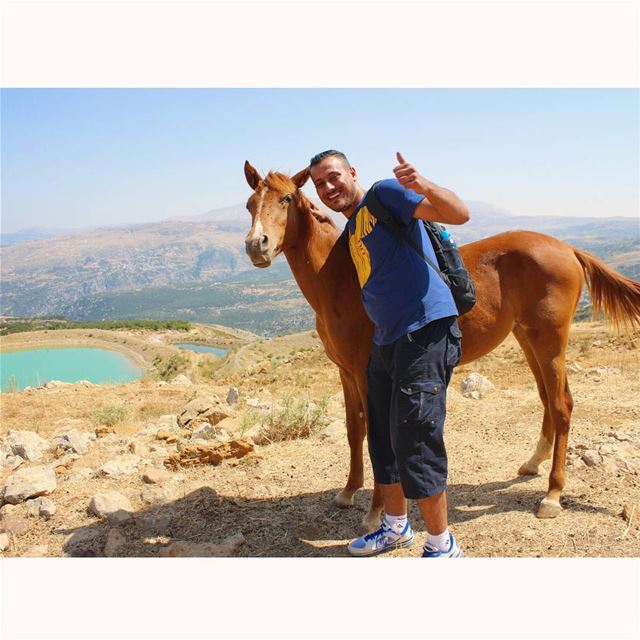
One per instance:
(258, 251)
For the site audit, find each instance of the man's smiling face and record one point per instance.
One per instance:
(336, 183)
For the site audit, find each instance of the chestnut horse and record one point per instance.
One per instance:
(527, 283)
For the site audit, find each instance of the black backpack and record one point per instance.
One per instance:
(450, 265)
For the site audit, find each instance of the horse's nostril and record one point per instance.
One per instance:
(264, 241)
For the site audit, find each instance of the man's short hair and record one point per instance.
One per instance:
(319, 157)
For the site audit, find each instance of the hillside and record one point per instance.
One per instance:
(277, 500)
(196, 269)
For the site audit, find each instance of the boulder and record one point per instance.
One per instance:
(40, 507)
(12, 462)
(475, 386)
(181, 379)
(28, 483)
(14, 524)
(115, 542)
(75, 441)
(103, 431)
(156, 524)
(111, 505)
(184, 549)
(233, 396)
(37, 551)
(202, 410)
(121, 466)
(5, 540)
(27, 444)
(158, 495)
(591, 458)
(156, 476)
(203, 431)
(194, 455)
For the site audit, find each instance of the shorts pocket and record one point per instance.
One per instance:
(420, 401)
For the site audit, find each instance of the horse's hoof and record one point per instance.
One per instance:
(549, 509)
(344, 499)
(369, 523)
(528, 469)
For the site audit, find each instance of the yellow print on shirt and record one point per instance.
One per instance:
(359, 252)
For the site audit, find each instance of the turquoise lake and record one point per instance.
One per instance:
(220, 353)
(33, 367)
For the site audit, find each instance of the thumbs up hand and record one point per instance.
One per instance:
(409, 177)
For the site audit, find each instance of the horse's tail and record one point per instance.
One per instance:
(611, 293)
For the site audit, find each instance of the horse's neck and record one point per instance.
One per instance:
(309, 254)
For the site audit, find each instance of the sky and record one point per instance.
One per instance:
(74, 158)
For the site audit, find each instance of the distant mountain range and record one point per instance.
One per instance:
(195, 267)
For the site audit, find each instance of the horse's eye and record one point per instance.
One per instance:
(286, 200)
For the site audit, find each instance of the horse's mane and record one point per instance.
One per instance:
(282, 183)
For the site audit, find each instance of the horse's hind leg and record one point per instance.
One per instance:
(545, 441)
(356, 428)
(549, 348)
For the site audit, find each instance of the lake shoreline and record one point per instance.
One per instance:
(138, 350)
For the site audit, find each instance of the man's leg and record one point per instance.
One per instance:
(434, 513)
(395, 504)
(423, 366)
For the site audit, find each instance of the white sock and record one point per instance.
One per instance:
(396, 523)
(440, 542)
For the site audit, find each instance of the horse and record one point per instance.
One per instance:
(527, 283)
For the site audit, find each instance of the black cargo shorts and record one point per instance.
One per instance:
(407, 404)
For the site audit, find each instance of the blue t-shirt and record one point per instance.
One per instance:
(400, 291)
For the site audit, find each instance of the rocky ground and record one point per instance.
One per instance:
(187, 467)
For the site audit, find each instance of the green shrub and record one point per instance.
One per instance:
(294, 419)
(171, 366)
(208, 366)
(109, 415)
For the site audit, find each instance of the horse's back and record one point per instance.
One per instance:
(521, 277)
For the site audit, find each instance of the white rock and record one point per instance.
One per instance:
(591, 458)
(233, 396)
(156, 476)
(160, 494)
(27, 444)
(82, 474)
(37, 551)
(56, 384)
(75, 441)
(477, 383)
(42, 507)
(12, 462)
(148, 430)
(574, 367)
(184, 549)
(257, 404)
(4, 541)
(181, 379)
(115, 542)
(111, 505)
(29, 482)
(121, 466)
(203, 431)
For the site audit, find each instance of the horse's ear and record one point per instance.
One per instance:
(251, 174)
(300, 178)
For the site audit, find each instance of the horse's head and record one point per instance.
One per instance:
(273, 213)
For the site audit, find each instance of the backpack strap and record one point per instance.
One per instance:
(375, 207)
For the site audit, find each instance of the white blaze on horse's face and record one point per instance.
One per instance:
(269, 211)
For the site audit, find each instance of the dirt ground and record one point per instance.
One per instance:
(281, 498)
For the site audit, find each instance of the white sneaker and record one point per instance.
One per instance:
(384, 539)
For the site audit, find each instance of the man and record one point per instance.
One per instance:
(416, 345)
